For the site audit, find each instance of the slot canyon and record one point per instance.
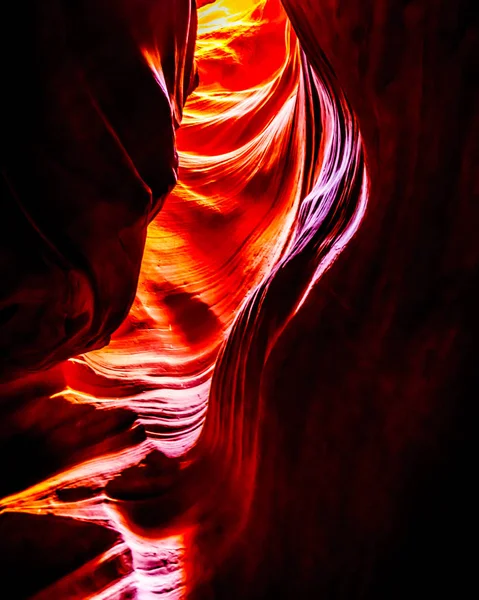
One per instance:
(239, 300)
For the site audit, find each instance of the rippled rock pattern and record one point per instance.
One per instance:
(263, 386)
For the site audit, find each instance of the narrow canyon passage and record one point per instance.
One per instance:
(238, 308)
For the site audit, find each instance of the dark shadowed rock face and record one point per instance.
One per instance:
(88, 156)
(48, 548)
(365, 481)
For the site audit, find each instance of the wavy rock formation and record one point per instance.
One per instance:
(286, 409)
